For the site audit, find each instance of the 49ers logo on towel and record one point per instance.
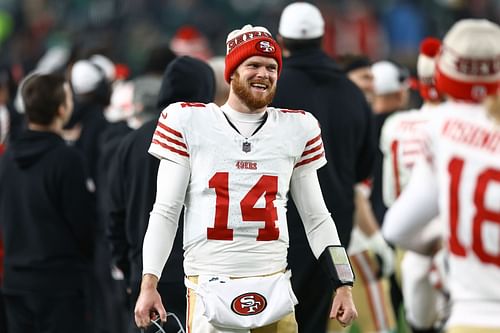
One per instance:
(265, 46)
(249, 304)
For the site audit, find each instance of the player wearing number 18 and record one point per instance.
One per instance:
(232, 168)
(459, 178)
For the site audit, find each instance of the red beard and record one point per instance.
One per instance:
(242, 90)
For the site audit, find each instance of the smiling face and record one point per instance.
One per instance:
(254, 82)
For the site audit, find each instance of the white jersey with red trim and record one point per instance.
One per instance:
(237, 194)
(464, 148)
(401, 145)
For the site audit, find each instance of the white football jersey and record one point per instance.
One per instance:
(464, 148)
(237, 194)
(401, 145)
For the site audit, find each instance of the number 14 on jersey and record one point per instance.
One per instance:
(266, 186)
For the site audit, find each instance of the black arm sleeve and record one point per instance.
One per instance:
(336, 263)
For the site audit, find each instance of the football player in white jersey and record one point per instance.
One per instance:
(232, 167)
(401, 142)
(459, 178)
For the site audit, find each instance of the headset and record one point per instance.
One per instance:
(158, 325)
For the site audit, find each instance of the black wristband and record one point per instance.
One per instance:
(336, 263)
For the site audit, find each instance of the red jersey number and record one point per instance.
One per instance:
(266, 186)
(395, 167)
(482, 213)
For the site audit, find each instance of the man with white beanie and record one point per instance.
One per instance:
(92, 95)
(232, 168)
(312, 81)
(399, 139)
(459, 177)
(391, 87)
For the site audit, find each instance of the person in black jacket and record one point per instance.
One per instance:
(92, 95)
(312, 81)
(47, 216)
(92, 92)
(132, 181)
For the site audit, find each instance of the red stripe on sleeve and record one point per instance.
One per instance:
(309, 160)
(172, 149)
(395, 167)
(169, 139)
(292, 111)
(310, 151)
(310, 142)
(193, 104)
(170, 130)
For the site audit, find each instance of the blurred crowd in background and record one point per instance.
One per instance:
(124, 31)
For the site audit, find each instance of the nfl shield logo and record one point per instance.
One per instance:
(246, 147)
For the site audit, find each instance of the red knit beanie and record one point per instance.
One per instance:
(426, 69)
(468, 67)
(247, 42)
(189, 41)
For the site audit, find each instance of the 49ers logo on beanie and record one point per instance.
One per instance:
(265, 46)
(247, 42)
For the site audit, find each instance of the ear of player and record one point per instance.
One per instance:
(336, 263)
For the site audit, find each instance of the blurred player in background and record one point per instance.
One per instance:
(401, 144)
(459, 178)
(392, 93)
(391, 87)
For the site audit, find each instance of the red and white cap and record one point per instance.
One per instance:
(189, 41)
(247, 42)
(426, 68)
(468, 67)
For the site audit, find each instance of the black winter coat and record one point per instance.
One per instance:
(311, 81)
(132, 174)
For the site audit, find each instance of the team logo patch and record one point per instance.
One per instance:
(249, 304)
(479, 92)
(265, 46)
(246, 165)
(433, 93)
